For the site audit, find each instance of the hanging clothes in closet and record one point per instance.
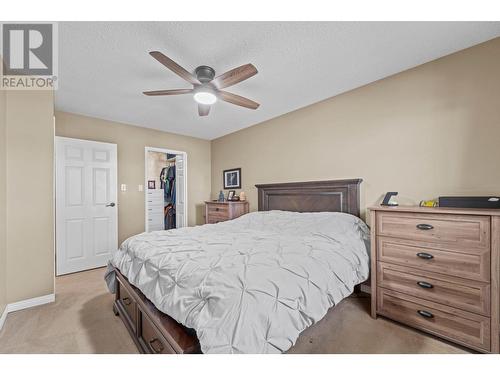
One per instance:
(167, 179)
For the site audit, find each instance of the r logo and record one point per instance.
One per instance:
(27, 49)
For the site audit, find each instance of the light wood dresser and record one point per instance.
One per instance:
(438, 270)
(216, 212)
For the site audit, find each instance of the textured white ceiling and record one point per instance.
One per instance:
(105, 66)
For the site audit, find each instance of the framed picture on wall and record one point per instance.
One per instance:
(151, 184)
(232, 178)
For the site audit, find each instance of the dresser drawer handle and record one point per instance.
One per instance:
(126, 301)
(157, 349)
(425, 256)
(425, 285)
(216, 208)
(425, 314)
(425, 226)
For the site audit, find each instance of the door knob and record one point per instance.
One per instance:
(112, 204)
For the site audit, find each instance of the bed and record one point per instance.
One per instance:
(250, 285)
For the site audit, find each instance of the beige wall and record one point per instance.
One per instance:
(131, 141)
(3, 211)
(432, 130)
(29, 191)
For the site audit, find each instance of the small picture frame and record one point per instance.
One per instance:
(151, 184)
(232, 178)
(230, 195)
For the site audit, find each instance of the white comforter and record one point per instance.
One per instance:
(249, 285)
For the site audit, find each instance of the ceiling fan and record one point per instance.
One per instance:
(207, 89)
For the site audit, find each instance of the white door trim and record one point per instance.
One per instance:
(166, 151)
(114, 197)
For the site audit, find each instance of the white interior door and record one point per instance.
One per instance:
(180, 191)
(86, 204)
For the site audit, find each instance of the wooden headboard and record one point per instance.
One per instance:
(311, 196)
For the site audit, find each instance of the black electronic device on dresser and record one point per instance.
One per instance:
(486, 202)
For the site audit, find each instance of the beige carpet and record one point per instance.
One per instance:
(81, 321)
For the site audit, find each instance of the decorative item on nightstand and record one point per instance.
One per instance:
(243, 196)
(216, 212)
(231, 196)
(221, 196)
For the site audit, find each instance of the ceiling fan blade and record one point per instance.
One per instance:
(238, 100)
(203, 109)
(235, 76)
(174, 67)
(167, 92)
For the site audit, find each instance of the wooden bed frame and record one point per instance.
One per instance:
(156, 332)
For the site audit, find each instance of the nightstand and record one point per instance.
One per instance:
(216, 212)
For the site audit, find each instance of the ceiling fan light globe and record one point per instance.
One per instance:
(205, 97)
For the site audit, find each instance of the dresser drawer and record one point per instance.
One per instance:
(218, 209)
(468, 295)
(155, 210)
(156, 227)
(216, 219)
(461, 231)
(156, 205)
(156, 216)
(151, 339)
(128, 303)
(469, 263)
(460, 326)
(155, 193)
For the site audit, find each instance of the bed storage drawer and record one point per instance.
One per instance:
(151, 339)
(456, 325)
(471, 264)
(473, 296)
(128, 304)
(461, 231)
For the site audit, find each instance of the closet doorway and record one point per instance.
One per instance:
(165, 189)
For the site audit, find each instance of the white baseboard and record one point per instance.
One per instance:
(4, 316)
(25, 304)
(32, 302)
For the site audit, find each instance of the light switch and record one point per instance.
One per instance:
(140, 188)
(123, 187)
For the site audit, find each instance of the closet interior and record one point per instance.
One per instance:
(164, 190)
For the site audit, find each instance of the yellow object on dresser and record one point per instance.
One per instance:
(216, 212)
(438, 270)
